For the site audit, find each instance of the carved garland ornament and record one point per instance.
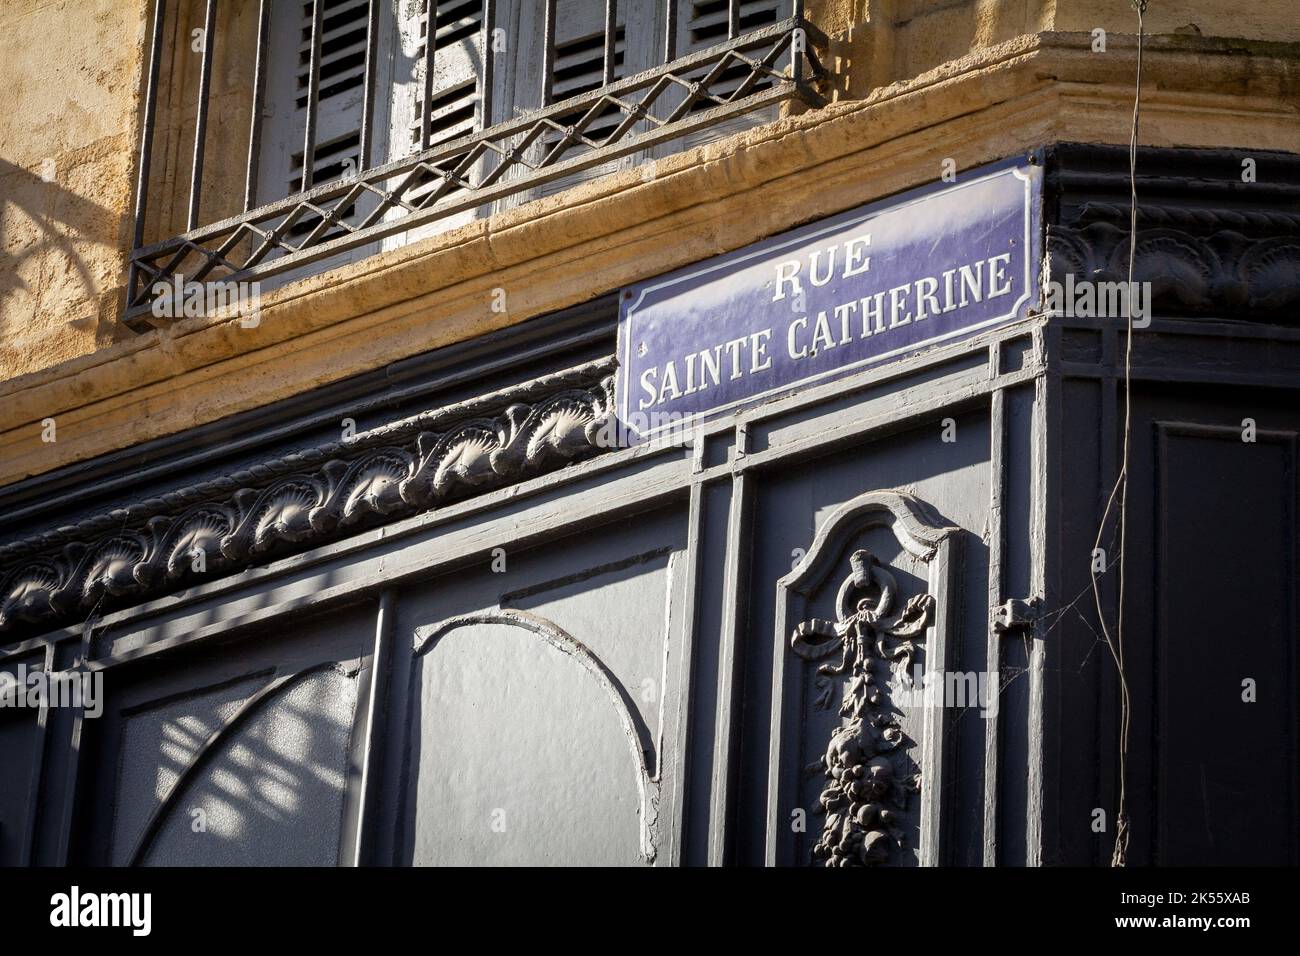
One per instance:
(869, 773)
(305, 499)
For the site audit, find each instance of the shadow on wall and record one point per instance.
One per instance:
(46, 279)
(265, 789)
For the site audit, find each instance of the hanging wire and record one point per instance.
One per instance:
(1119, 855)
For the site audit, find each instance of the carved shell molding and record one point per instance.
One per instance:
(305, 499)
(1189, 273)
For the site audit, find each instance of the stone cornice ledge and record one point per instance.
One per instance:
(222, 525)
(568, 248)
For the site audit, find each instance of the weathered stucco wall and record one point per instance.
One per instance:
(70, 72)
(73, 76)
(917, 82)
(878, 42)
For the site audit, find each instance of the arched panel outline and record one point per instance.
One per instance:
(647, 789)
(215, 742)
(919, 532)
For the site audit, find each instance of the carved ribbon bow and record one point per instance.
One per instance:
(860, 623)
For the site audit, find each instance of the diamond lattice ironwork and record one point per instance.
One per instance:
(691, 93)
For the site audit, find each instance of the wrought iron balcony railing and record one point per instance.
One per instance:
(740, 72)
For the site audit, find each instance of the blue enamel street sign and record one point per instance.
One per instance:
(873, 284)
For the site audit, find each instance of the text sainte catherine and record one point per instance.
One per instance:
(805, 335)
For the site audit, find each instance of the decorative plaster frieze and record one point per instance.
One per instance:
(302, 500)
(1190, 272)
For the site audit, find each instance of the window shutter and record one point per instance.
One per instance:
(702, 24)
(455, 91)
(343, 53)
(705, 22)
(339, 106)
(579, 67)
(456, 67)
(400, 59)
(456, 96)
(339, 99)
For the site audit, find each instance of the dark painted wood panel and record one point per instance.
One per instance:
(1226, 574)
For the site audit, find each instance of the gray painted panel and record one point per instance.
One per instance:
(559, 667)
(272, 795)
(795, 502)
(158, 745)
(521, 757)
